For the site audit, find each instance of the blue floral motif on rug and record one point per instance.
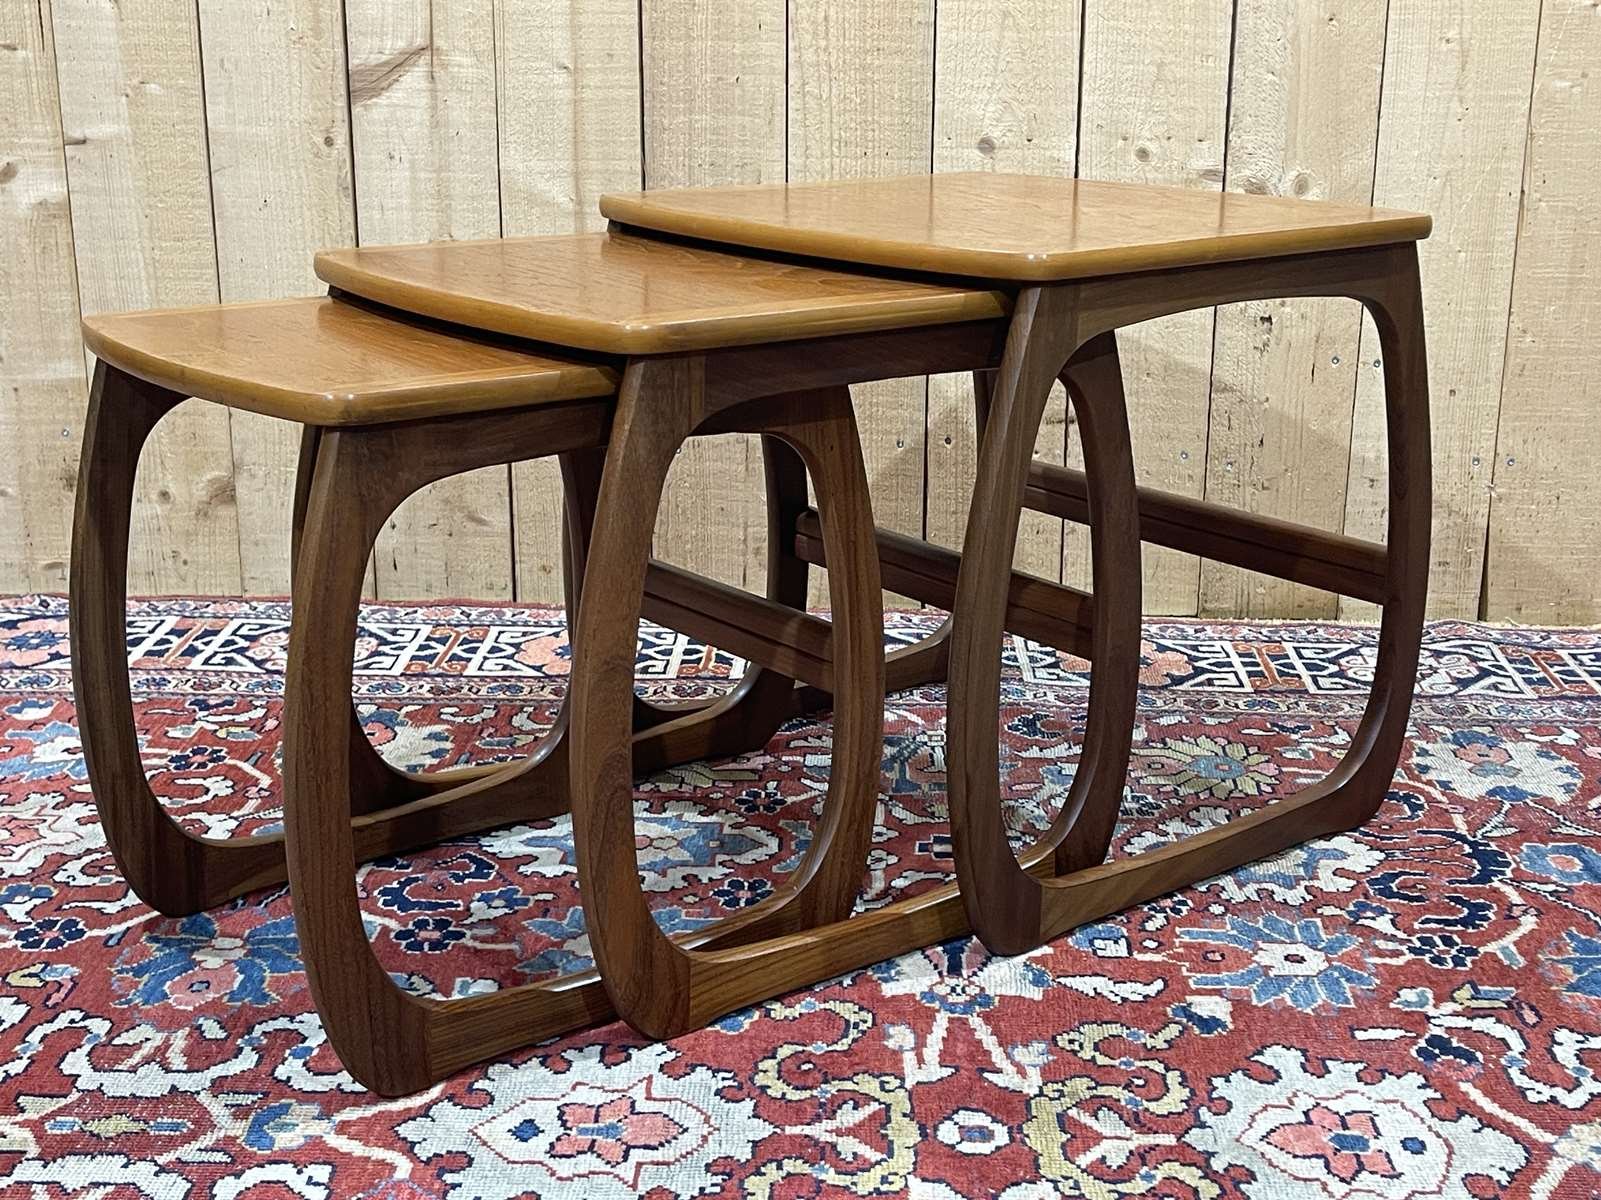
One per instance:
(1412, 1009)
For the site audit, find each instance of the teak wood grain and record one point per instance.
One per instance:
(326, 362)
(617, 294)
(1027, 228)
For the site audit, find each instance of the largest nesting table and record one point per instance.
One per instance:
(1082, 259)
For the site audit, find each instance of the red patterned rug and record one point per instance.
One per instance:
(1411, 1010)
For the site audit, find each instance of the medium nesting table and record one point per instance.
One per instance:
(700, 337)
(1083, 259)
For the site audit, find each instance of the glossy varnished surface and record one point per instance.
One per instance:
(325, 362)
(1011, 227)
(632, 295)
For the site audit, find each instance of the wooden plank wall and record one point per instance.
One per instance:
(168, 152)
(712, 77)
(422, 122)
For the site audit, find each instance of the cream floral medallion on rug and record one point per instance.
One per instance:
(1409, 1010)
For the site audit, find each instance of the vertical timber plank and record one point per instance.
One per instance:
(42, 382)
(1303, 120)
(1451, 137)
(1005, 99)
(1544, 557)
(277, 112)
(568, 104)
(1153, 109)
(135, 138)
(861, 79)
(422, 111)
(713, 79)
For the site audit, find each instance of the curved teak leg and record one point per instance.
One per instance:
(1094, 381)
(375, 783)
(1353, 791)
(1002, 896)
(172, 870)
(1386, 282)
(660, 987)
(580, 478)
(388, 1039)
(1093, 378)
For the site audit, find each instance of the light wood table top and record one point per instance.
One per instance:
(639, 295)
(330, 362)
(1031, 228)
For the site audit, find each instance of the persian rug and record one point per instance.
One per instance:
(1409, 1010)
